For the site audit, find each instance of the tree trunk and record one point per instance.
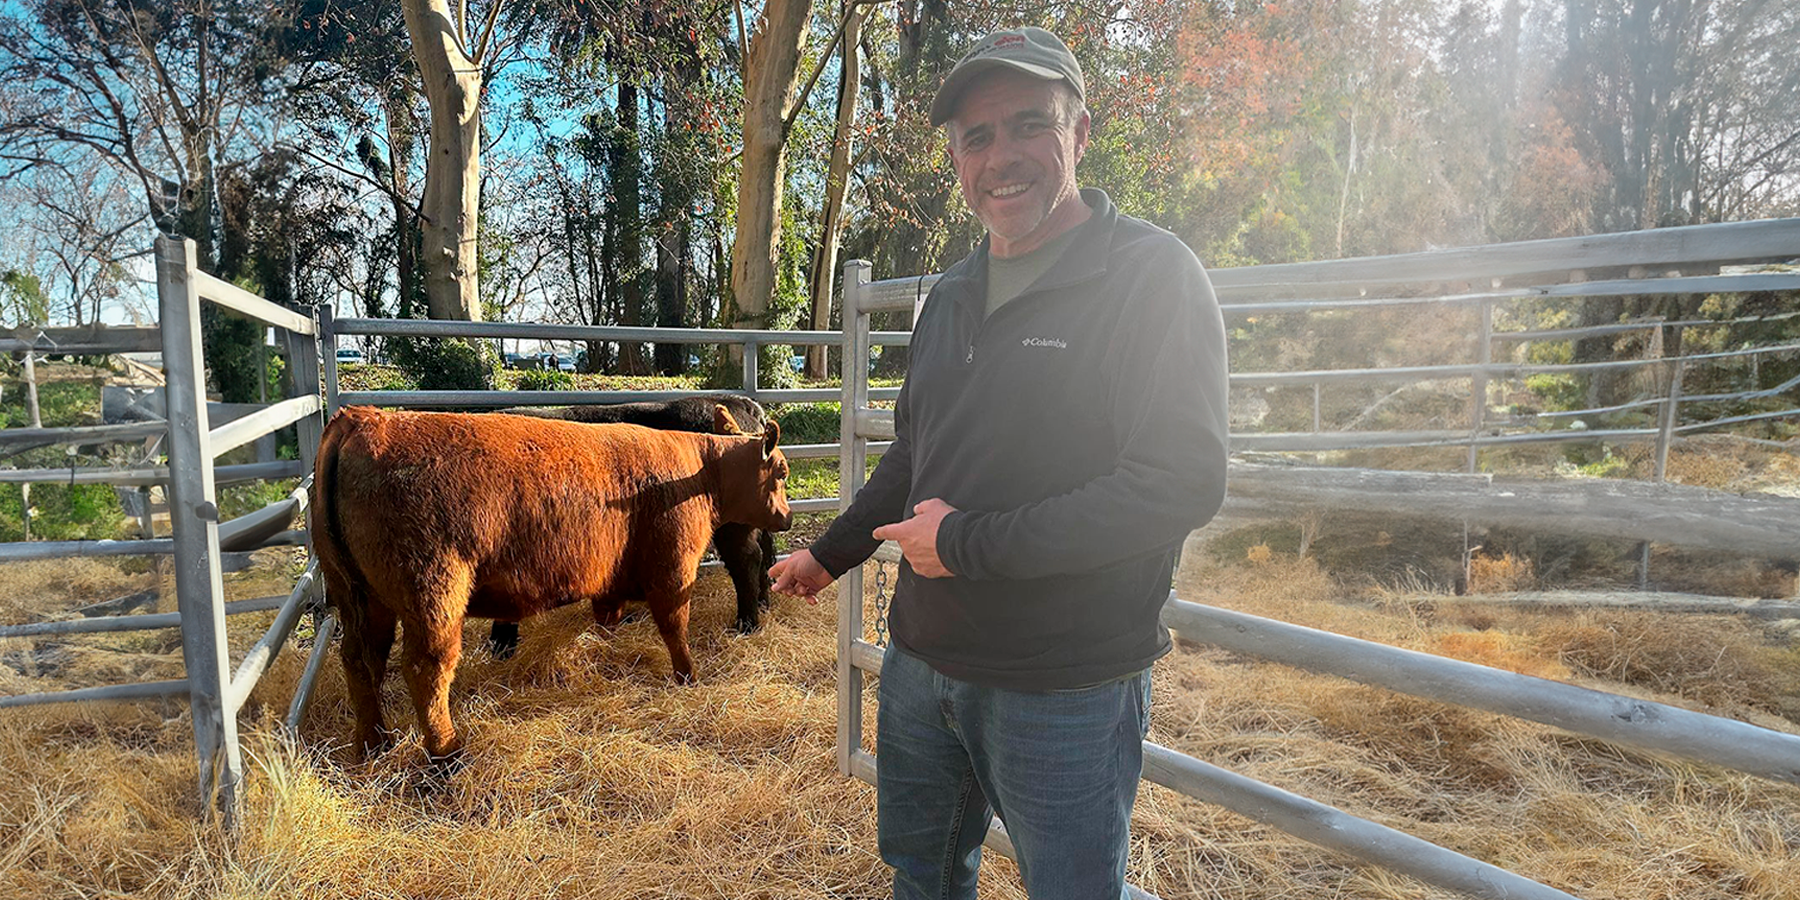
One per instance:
(677, 183)
(824, 274)
(451, 207)
(406, 229)
(769, 80)
(627, 168)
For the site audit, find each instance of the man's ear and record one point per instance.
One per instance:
(771, 437)
(723, 423)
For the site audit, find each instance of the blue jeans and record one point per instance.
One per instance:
(1060, 768)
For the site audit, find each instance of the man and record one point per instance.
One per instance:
(1061, 430)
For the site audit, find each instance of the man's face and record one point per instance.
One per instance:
(1015, 146)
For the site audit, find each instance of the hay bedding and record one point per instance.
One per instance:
(589, 774)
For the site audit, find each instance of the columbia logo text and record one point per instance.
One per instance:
(1045, 342)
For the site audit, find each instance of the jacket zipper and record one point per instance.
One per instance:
(969, 357)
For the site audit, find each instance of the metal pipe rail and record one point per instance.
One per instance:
(81, 434)
(1767, 239)
(1489, 370)
(1624, 287)
(146, 476)
(327, 629)
(235, 298)
(1327, 441)
(257, 659)
(1693, 284)
(230, 534)
(140, 691)
(22, 551)
(608, 333)
(267, 420)
(1239, 288)
(1551, 334)
(145, 622)
(1622, 720)
(85, 340)
(502, 399)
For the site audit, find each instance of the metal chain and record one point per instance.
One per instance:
(881, 604)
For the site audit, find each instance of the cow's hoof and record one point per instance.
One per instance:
(371, 745)
(442, 767)
(748, 625)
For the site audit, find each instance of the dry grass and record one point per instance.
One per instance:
(1490, 574)
(54, 586)
(590, 775)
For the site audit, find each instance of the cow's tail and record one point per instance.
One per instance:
(328, 533)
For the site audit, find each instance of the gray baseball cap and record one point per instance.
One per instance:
(1033, 51)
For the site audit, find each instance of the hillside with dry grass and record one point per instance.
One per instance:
(590, 774)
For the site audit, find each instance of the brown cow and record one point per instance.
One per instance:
(430, 517)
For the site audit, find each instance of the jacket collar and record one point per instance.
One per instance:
(1085, 259)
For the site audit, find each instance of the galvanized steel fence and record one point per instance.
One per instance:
(215, 690)
(865, 430)
(1653, 261)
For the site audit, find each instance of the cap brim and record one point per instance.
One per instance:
(943, 106)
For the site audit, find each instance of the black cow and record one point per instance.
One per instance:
(747, 552)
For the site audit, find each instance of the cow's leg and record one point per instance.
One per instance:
(609, 612)
(737, 546)
(368, 638)
(503, 639)
(433, 638)
(671, 613)
(765, 541)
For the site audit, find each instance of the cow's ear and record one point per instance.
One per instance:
(771, 437)
(723, 423)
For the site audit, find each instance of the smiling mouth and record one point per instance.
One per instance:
(1011, 190)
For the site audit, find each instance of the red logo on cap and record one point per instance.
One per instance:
(1008, 40)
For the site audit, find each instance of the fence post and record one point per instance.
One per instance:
(1484, 356)
(752, 359)
(1665, 435)
(853, 459)
(194, 516)
(37, 421)
(326, 316)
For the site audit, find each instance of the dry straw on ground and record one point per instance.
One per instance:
(590, 775)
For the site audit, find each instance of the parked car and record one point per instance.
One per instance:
(349, 355)
(564, 363)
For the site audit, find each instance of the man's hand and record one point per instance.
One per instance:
(800, 576)
(917, 537)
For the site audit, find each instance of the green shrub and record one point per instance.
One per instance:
(62, 512)
(242, 499)
(384, 378)
(447, 364)
(60, 403)
(545, 380)
(1561, 391)
(808, 423)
